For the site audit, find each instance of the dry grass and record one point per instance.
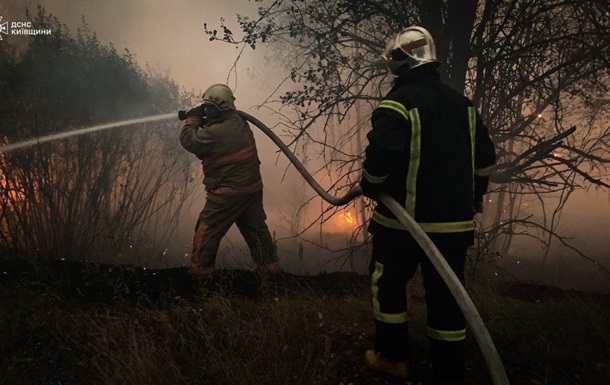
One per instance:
(287, 331)
(549, 336)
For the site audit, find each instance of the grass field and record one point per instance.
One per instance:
(70, 323)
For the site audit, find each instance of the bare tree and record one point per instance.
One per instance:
(92, 197)
(538, 72)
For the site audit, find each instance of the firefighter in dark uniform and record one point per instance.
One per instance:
(429, 150)
(224, 143)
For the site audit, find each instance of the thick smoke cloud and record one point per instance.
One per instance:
(168, 36)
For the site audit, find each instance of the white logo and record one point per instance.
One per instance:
(3, 28)
(21, 28)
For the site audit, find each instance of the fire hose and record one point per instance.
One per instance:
(471, 314)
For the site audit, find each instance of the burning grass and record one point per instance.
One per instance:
(242, 328)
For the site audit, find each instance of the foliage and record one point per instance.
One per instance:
(538, 72)
(87, 196)
(79, 81)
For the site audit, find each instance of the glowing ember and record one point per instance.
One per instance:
(348, 217)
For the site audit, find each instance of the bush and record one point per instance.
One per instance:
(100, 194)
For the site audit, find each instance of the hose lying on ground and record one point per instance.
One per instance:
(471, 314)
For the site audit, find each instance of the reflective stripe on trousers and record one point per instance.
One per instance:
(389, 318)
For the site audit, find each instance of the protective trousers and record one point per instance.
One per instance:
(219, 214)
(396, 256)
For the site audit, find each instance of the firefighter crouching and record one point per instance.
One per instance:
(224, 143)
(429, 150)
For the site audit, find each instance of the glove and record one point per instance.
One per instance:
(370, 190)
(195, 116)
(197, 111)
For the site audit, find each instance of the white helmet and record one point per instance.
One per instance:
(219, 95)
(413, 46)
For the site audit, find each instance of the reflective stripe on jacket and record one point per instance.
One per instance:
(228, 154)
(426, 145)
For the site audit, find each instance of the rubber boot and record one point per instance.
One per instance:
(378, 363)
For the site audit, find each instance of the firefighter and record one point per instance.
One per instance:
(224, 143)
(429, 150)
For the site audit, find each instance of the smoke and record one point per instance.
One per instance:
(169, 38)
(584, 222)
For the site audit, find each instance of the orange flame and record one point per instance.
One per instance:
(348, 217)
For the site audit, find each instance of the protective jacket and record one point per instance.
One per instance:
(429, 150)
(227, 151)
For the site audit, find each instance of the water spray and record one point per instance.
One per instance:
(471, 314)
(68, 134)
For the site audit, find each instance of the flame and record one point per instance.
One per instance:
(348, 217)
